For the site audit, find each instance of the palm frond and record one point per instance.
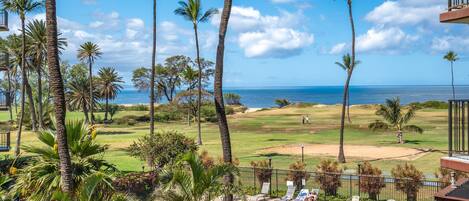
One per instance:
(413, 128)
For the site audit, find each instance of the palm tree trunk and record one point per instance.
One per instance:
(57, 86)
(10, 102)
(32, 109)
(348, 107)
(90, 66)
(85, 111)
(218, 93)
(452, 81)
(107, 107)
(199, 87)
(153, 72)
(23, 88)
(39, 98)
(341, 156)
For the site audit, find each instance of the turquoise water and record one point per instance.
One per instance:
(265, 96)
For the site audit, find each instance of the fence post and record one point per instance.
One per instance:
(276, 181)
(359, 178)
(350, 188)
(254, 178)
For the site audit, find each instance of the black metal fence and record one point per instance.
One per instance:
(349, 185)
(458, 128)
(457, 4)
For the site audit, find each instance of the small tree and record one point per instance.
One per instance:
(161, 148)
(371, 182)
(262, 170)
(329, 176)
(408, 180)
(282, 102)
(232, 99)
(297, 173)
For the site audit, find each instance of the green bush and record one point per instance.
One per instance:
(139, 107)
(282, 102)
(430, 105)
(140, 184)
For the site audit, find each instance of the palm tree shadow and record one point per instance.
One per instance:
(115, 132)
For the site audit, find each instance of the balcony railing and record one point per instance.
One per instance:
(458, 128)
(3, 20)
(4, 141)
(457, 4)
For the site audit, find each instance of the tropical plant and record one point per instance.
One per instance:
(139, 184)
(452, 57)
(329, 176)
(218, 94)
(108, 86)
(40, 179)
(88, 53)
(113, 109)
(191, 10)
(78, 96)
(397, 118)
(191, 181)
(372, 182)
(408, 179)
(232, 99)
(282, 102)
(262, 170)
(21, 7)
(297, 173)
(161, 148)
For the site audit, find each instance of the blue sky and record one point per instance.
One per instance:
(277, 42)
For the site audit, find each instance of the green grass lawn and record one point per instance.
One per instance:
(253, 132)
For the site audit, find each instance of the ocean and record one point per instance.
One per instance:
(261, 97)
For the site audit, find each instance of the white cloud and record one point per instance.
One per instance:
(390, 40)
(96, 24)
(446, 43)
(406, 12)
(135, 23)
(338, 48)
(280, 42)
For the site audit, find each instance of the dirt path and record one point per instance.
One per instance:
(356, 151)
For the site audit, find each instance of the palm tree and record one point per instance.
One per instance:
(192, 11)
(153, 74)
(196, 182)
(397, 118)
(41, 178)
(88, 53)
(78, 95)
(346, 65)
(218, 94)
(21, 7)
(452, 57)
(58, 91)
(109, 85)
(37, 45)
(341, 157)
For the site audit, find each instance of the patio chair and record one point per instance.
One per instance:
(302, 195)
(290, 191)
(355, 198)
(264, 192)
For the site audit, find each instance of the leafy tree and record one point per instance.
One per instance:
(191, 10)
(408, 180)
(109, 86)
(452, 57)
(141, 78)
(397, 118)
(161, 148)
(192, 181)
(218, 94)
(232, 99)
(21, 7)
(41, 178)
(282, 102)
(88, 53)
(372, 182)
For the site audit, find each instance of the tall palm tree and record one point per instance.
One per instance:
(341, 157)
(193, 181)
(153, 74)
(88, 53)
(37, 47)
(109, 85)
(78, 95)
(452, 57)
(21, 7)
(58, 91)
(192, 11)
(397, 118)
(218, 94)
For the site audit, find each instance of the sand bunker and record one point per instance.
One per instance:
(355, 151)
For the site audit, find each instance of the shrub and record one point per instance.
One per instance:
(408, 180)
(232, 99)
(139, 107)
(161, 148)
(282, 102)
(206, 159)
(297, 172)
(430, 105)
(140, 184)
(262, 170)
(372, 182)
(329, 176)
